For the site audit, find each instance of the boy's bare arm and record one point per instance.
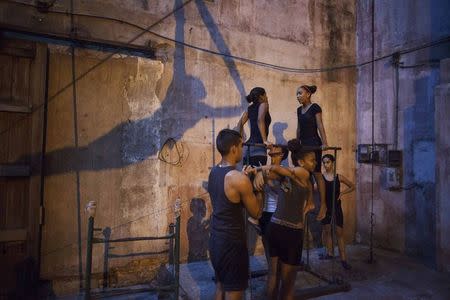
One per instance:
(248, 198)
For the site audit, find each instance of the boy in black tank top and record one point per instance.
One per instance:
(230, 192)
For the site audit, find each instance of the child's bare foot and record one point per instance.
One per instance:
(322, 213)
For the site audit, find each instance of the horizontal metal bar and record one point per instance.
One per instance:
(318, 275)
(318, 291)
(124, 291)
(304, 147)
(11, 31)
(134, 239)
(137, 254)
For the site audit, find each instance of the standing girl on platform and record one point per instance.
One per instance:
(259, 116)
(309, 126)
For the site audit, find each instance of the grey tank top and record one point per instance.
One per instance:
(291, 201)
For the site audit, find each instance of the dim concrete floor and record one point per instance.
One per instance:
(391, 276)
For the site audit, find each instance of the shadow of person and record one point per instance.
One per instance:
(278, 129)
(134, 141)
(198, 231)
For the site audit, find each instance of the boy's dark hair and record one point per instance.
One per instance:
(297, 151)
(329, 156)
(226, 139)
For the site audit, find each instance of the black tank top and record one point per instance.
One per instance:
(255, 134)
(291, 200)
(227, 219)
(329, 192)
(308, 125)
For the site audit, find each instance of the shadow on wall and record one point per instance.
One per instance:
(419, 170)
(198, 231)
(278, 132)
(134, 141)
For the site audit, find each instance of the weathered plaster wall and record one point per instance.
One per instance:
(128, 107)
(404, 220)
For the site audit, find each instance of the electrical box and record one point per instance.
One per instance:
(376, 154)
(395, 158)
(391, 179)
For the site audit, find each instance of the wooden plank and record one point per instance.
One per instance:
(17, 48)
(19, 141)
(10, 235)
(6, 107)
(15, 170)
(18, 52)
(6, 69)
(20, 87)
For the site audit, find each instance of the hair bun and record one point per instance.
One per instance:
(255, 93)
(294, 145)
(312, 89)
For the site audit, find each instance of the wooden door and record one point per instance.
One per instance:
(22, 93)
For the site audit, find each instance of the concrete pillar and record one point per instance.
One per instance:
(442, 129)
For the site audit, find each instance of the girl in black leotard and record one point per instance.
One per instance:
(259, 116)
(328, 164)
(309, 126)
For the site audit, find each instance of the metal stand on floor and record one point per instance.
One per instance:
(174, 257)
(334, 284)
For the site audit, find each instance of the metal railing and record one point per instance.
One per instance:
(174, 252)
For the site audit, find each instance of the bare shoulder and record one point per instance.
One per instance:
(235, 184)
(236, 178)
(301, 173)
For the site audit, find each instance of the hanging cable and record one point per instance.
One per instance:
(250, 61)
(89, 70)
(164, 153)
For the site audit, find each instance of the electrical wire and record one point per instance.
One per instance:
(248, 60)
(85, 73)
(255, 62)
(164, 152)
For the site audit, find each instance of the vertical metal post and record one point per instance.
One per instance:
(90, 209)
(171, 246)
(333, 215)
(307, 240)
(247, 156)
(107, 236)
(177, 212)
(373, 129)
(87, 280)
(177, 257)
